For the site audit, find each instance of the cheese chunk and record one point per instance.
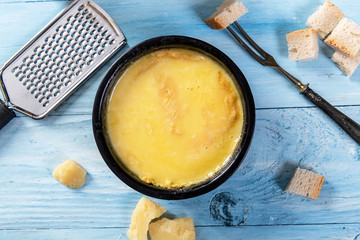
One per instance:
(145, 211)
(177, 229)
(70, 174)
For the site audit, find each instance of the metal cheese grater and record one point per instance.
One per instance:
(57, 60)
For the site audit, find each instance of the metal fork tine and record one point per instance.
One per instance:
(248, 38)
(247, 48)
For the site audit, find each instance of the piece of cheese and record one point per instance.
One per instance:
(70, 174)
(176, 229)
(145, 211)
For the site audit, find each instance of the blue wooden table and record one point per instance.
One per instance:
(290, 132)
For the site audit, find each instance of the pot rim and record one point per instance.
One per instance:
(111, 77)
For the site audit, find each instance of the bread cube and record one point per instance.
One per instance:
(176, 229)
(346, 63)
(227, 13)
(145, 211)
(70, 174)
(305, 183)
(325, 19)
(303, 45)
(345, 37)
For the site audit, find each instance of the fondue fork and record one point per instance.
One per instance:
(347, 124)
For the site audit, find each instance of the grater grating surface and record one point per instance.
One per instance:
(58, 59)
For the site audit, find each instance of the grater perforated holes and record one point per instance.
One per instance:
(41, 98)
(86, 11)
(80, 19)
(37, 94)
(92, 20)
(104, 33)
(52, 88)
(63, 55)
(71, 52)
(77, 15)
(26, 82)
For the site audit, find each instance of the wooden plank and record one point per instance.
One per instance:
(332, 231)
(264, 23)
(283, 140)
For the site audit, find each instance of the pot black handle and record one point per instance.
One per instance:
(6, 114)
(347, 124)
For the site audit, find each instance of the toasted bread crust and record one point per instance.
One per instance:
(228, 12)
(337, 46)
(216, 23)
(315, 193)
(345, 37)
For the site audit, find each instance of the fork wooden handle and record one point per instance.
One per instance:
(347, 124)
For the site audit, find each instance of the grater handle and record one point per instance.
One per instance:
(6, 114)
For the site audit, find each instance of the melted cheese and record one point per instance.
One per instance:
(175, 117)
